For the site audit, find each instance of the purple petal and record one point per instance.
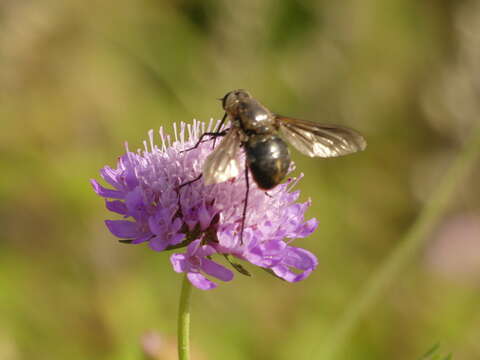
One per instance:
(154, 225)
(200, 281)
(268, 254)
(286, 274)
(177, 239)
(176, 224)
(293, 196)
(268, 227)
(300, 258)
(227, 238)
(104, 192)
(205, 250)
(110, 176)
(135, 203)
(216, 270)
(123, 229)
(142, 238)
(283, 272)
(130, 177)
(158, 243)
(190, 217)
(179, 263)
(307, 228)
(204, 217)
(193, 248)
(116, 206)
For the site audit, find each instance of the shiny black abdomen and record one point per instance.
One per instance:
(268, 159)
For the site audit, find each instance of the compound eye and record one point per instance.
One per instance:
(225, 99)
(230, 99)
(241, 93)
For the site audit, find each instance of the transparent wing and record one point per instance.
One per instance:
(222, 164)
(320, 140)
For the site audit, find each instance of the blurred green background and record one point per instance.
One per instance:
(78, 78)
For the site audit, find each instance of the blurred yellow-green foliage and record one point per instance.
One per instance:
(78, 78)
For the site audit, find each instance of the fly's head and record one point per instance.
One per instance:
(232, 99)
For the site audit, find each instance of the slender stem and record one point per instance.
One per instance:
(405, 251)
(183, 331)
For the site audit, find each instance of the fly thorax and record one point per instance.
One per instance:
(256, 119)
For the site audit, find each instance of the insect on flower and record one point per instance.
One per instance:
(260, 133)
(204, 220)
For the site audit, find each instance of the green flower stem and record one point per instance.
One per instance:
(183, 331)
(404, 252)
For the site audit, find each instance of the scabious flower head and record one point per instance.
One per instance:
(204, 219)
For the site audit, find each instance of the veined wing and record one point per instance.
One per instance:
(320, 140)
(222, 164)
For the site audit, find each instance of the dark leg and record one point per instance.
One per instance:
(245, 205)
(212, 134)
(179, 211)
(219, 128)
(190, 182)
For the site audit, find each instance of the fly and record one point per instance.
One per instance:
(262, 135)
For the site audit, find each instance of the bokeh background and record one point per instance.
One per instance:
(78, 78)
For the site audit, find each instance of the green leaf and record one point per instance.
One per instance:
(236, 265)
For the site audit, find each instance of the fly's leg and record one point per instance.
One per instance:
(183, 185)
(190, 182)
(219, 128)
(213, 135)
(244, 214)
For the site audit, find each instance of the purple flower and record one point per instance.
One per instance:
(206, 219)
